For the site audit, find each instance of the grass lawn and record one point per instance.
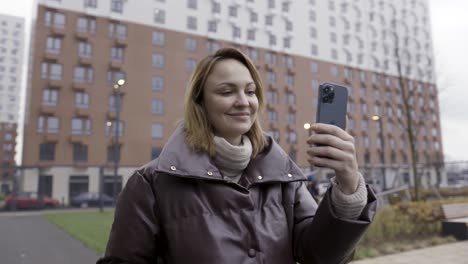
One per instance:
(91, 228)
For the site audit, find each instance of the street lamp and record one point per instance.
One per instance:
(382, 152)
(116, 148)
(307, 127)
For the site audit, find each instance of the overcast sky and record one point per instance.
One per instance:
(450, 36)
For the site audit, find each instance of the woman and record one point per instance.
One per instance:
(224, 192)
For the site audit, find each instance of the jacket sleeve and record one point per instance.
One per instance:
(323, 237)
(134, 237)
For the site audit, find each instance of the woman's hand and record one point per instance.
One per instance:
(333, 148)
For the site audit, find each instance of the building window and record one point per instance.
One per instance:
(236, 32)
(159, 38)
(113, 153)
(315, 85)
(334, 54)
(191, 23)
(55, 19)
(192, 4)
(289, 25)
(83, 75)
(85, 49)
(288, 61)
(157, 83)
(314, 49)
(272, 97)
(287, 42)
(271, 4)
(272, 116)
(233, 11)
(314, 67)
(80, 126)
(52, 71)
(54, 45)
(285, 7)
(251, 34)
(270, 58)
(110, 128)
(114, 76)
(312, 16)
(117, 30)
(157, 107)
(290, 80)
(271, 77)
(155, 152)
(84, 24)
(90, 3)
(212, 26)
(212, 46)
(291, 137)
(47, 151)
(253, 17)
(190, 44)
(159, 16)
(269, 20)
(291, 117)
(112, 103)
(49, 97)
(290, 99)
(252, 54)
(117, 54)
(332, 21)
(81, 100)
(80, 152)
(158, 60)
(117, 6)
(157, 131)
(190, 65)
(216, 8)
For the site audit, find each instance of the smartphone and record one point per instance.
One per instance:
(332, 104)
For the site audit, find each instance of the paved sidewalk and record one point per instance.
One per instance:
(454, 253)
(28, 238)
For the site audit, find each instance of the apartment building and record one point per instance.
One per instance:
(11, 58)
(83, 48)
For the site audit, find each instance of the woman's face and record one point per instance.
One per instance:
(230, 101)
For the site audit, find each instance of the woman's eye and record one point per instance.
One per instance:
(226, 93)
(251, 93)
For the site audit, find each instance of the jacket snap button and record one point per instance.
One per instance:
(173, 168)
(289, 175)
(252, 252)
(260, 177)
(209, 173)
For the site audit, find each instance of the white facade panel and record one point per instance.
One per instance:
(11, 58)
(361, 29)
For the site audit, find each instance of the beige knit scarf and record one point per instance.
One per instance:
(232, 160)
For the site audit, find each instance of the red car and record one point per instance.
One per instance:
(29, 200)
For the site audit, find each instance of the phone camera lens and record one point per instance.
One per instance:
(327, 89)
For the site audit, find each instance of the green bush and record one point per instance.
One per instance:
(407, 221)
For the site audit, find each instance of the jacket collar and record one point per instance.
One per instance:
(272, 165)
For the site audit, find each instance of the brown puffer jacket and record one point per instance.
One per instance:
(178, 209)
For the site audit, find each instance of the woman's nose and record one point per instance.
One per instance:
(242, 99)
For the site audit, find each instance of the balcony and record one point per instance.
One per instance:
(79, 139)
(115, 64)
(51, 55)
(85, 60)
(291, 127)
(288, 88)
(48, 109)
(80, 86)
(268, 67)
(56, 84)
(292, 108)
(291, 70)
(111, 115)
(82, 112)
(51, 137)
(274, 125)
(121, 42)
(272, 86)
(82, 35)
(58, 30)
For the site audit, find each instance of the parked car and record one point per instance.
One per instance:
(90, 199)
(30, 200)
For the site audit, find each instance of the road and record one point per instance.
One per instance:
(27, 238)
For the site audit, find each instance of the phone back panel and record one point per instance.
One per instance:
(333, 112)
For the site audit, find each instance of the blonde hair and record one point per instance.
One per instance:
(198, 131)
